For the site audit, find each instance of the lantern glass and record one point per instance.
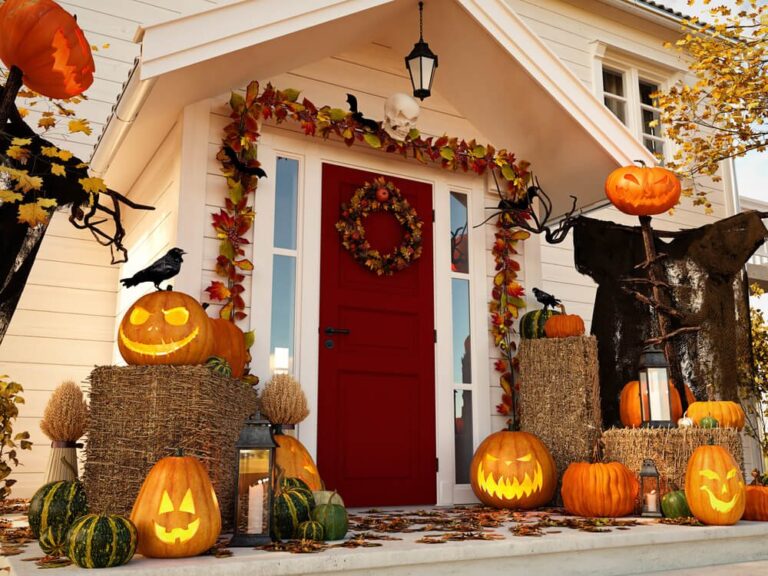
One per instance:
(650, 489)
(655, 405)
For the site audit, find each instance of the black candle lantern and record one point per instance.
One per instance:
(653, 374)
(650, 489)
(421, 63)
(253, 483)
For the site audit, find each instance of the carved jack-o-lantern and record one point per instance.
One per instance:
(513, 470)
(165, 327)
(641, 190)
(293, 460)
(714, 486)
(176, 512)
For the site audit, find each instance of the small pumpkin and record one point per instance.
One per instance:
(674, 505)
(176, 512)
(56, 504)
(44, 41)
(629, 403)
(757, 499)
(53, 540)
(219, 366)
(165, 327)
(684, 422)
(599, 490)
(294, 461)
(334, 519)
(532, 323)
(292, 504)
(324, 496)
(714, 487)
(101, 541)
(708, 422)
(564, 325)
(642, 190)
(513, 470)
(310, 530)
(229, 343)
(728, 414)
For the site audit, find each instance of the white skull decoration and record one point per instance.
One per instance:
(400, 115)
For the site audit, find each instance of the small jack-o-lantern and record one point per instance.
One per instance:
(641, 190)
(293, 460)
(176, 512)
(513, 470)
(714, 486)
(165, 327)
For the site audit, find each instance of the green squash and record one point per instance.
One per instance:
(219, 366)
(532, 323)
(674, 505)
(56, 504)
(708, 422)
(334, 519)
(101, 541)
(53, 540)
(292, 504)
(311, 530)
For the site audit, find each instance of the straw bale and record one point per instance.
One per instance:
(560, 396)
(669, 448)
(139, 414)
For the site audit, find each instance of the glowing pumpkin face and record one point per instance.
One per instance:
(165, 327)
(292, 458)
(714, 486)
(642, 191)
(176, 512)
(513, 470)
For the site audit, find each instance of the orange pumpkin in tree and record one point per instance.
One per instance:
(44, 41)
(165, 327)
(714, 486)
(643, 191)
(629, 403)
(599, 490)
(229, 343)
(294, 461)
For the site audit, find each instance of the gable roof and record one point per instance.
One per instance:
(501, 76)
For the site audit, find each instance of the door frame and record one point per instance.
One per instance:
(312, 154)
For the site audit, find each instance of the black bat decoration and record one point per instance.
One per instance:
(367, 123)
(242, 167)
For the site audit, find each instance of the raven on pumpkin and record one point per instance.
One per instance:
(161, 269)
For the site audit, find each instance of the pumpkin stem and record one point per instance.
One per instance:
(598, 451)
(12, 87)
(513, 425)
(179, 451)
(641, 162)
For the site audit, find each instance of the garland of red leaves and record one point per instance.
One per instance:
(376, 196)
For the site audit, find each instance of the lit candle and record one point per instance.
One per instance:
(255, 508)
(651, 501)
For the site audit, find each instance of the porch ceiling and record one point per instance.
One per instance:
(493, 69)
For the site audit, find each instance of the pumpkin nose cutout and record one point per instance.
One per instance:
(507, 462)
(724, 489)
(138, 316)
(176, 316)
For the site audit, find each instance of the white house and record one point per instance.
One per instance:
(562, 85)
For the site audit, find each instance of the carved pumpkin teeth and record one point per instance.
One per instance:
(177, 534)
(515, 489)
(720, 505)
(161, 349)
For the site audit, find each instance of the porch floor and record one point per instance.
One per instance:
(646, 547)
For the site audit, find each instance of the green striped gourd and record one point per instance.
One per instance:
(101, 541)
(53, 540)
(532, 323)
(674, 505)
(292, 505)
(56, 504)
(219, 366)
(334, 519)
(311, 530)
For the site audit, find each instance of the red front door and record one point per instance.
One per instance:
(376, 406)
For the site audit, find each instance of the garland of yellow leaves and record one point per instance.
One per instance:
(376, 196)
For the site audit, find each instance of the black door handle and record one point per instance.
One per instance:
(331, 330)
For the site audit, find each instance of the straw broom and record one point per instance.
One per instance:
(64, 422)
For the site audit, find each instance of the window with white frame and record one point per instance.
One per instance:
(627, 93)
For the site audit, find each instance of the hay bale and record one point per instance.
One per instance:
(140, 414)
(669, 448)
(560, 396)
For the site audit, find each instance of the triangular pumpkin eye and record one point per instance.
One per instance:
(165, 504)
(526, 458)
(490, 458)
(188, 503)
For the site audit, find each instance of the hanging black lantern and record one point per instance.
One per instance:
(421, 63)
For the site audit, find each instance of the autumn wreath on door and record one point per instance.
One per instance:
(380, 196)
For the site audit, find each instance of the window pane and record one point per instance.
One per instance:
(648, 117)
(655, 146)
(283, 311)
(462, 408)
(646, 89)
(286, 195)
(613, 82)
(459, 233)
(462, 359)
(618, 108)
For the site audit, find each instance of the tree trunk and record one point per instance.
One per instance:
(18, 249)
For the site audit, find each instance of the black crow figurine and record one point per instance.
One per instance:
(367, 123)
(548, 300)
(161, 269)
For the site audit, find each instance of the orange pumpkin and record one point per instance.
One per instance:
(44, 41)
(564, 325)
(629, 403)
(599, 490)
(176, 512)
(229, 343)
(756, 507)
(165, 327)
(293, 460)
(513, 470)
(642, 191)
(714, 486)
(728, 414)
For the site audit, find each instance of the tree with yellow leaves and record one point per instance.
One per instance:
(724, 114)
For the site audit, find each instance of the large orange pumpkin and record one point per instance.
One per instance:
(165, 327)
(513, 470)
(229, 343)
(599, 490)
(564, 326)
(642, 191)
(714, 486)
(728, 414)
(757, 499)
(44, 41)
(176, 512)
(629, 403)
(293, 461)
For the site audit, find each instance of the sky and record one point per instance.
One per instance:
(752, 170)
